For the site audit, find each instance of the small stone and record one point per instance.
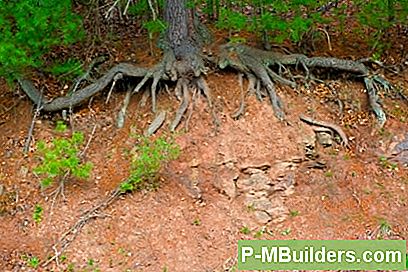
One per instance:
(245, 184)
(309, 140)
(261, 182)
(324, 138)
(191, 183)
(252, 171)
(257, 182)
(23, 171)
(195, 163)
(262, 217)
(260, 194)
(262, 204)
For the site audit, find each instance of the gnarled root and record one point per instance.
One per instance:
(184, 72)
(257, 63)
(82, 95)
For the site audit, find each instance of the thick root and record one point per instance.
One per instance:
(257, 63)
(82, 95)
(241, 108)
(183, 106)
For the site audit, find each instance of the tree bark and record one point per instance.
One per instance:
(182, 37)
(180, 31)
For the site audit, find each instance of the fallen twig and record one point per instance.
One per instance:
(30, 131)
(82, 153)
(327, 36)
(333, 127)
(69, 236)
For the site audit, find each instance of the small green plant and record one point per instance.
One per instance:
(393, 13)
(122, 251)
(60, 159)
(384, 229)
(328, 174)
(286, 232)
(251, 207)
(90, 262)
(148, 157)
(346, 157)
(92, 265)
(154, 27)
(294, 213)
(71, 267)
(61, 126)
(37, 214)
(33, 262)
(245, 230)
(197, 222)
(383, 161)
(231, 20)
(258, 234)
(63, 258)
(386, 164)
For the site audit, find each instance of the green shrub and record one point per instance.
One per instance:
(147, 159)
(377, 17)
(231, 20)
(31, 28)
(68, 69)
(60, 159)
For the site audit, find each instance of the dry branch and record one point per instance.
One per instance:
(328, 125)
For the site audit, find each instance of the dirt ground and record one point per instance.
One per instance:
(205, 202)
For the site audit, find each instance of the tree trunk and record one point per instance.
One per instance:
(180, 31)
(182, 37)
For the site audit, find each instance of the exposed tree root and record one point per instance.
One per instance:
(191, 109)
(156, 124)
(182, 84)
(186, 75)
(241, 108)
(82, 95)
(257, 63)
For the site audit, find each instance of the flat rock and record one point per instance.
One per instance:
(262, 217)
(225, 180)
(248, 167)
(256, 182)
